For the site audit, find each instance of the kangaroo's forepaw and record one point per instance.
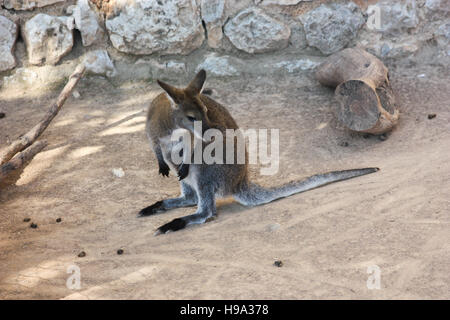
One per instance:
(164, 169)
(174, 225)
(183, 171)
(150, 210)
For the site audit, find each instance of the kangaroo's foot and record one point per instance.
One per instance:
(188, 198)
(151, 210)
(174, 225)
(206, 210)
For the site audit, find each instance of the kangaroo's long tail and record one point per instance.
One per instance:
(252, 194)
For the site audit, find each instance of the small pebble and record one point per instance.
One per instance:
(33, 225)
(82, 254)
(432, 116)
(26, 220)
(58, 220)
(273, 227)
(278, 263)
(120, 251)
(118, 172)
(207, 91)
(76, 94)
(2, 115)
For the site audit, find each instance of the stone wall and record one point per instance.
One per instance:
(142, 39)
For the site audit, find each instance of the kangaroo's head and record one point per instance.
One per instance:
(187, 104)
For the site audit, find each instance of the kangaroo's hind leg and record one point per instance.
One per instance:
(206, 208)
(188, 198)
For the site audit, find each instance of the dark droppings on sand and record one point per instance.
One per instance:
(82, 254)
(432, 116)
(58, 220)
(120, 251)
(33, 225)
(278, 263)
(26, 220)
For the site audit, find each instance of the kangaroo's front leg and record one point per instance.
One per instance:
(188, 198)
(163, 167)
(206, 208)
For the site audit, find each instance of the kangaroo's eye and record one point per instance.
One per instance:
(191, 118)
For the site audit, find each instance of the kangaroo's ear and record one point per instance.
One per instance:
(196, 85)
(174, 93)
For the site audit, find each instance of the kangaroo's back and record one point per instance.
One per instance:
(218, 114)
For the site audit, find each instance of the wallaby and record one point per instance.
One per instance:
(201, 183)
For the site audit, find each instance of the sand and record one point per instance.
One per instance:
(397, 219)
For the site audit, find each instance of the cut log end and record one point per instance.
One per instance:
(358, 105)
(363, 109)
(366, 102)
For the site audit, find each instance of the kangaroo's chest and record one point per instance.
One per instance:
(174, 147)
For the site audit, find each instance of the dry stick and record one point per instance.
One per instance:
(27, 139)
(21, 158)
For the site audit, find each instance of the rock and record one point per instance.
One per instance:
(282, 2)
(118, 172)
(219, 66)
(437, 8)
(397, 50)
(21, 76)
(442, 35)
(146, 27)
(213, 14)
(292, 66)
(98, 62)
(28, 4)
(273, 227)
(298, 37)
(253, 31)
(163, 69)
(86, 21)
(175, 67)
(48, 38)
(444, 31)
(76, 94)
(396, 17)
(330, 28)
(8, 36)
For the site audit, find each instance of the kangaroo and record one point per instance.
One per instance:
(201, 183)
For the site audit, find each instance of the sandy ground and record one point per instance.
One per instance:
(397, 219)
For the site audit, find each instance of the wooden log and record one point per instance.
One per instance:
(366, 101)
(28, 138)
(21, 158)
